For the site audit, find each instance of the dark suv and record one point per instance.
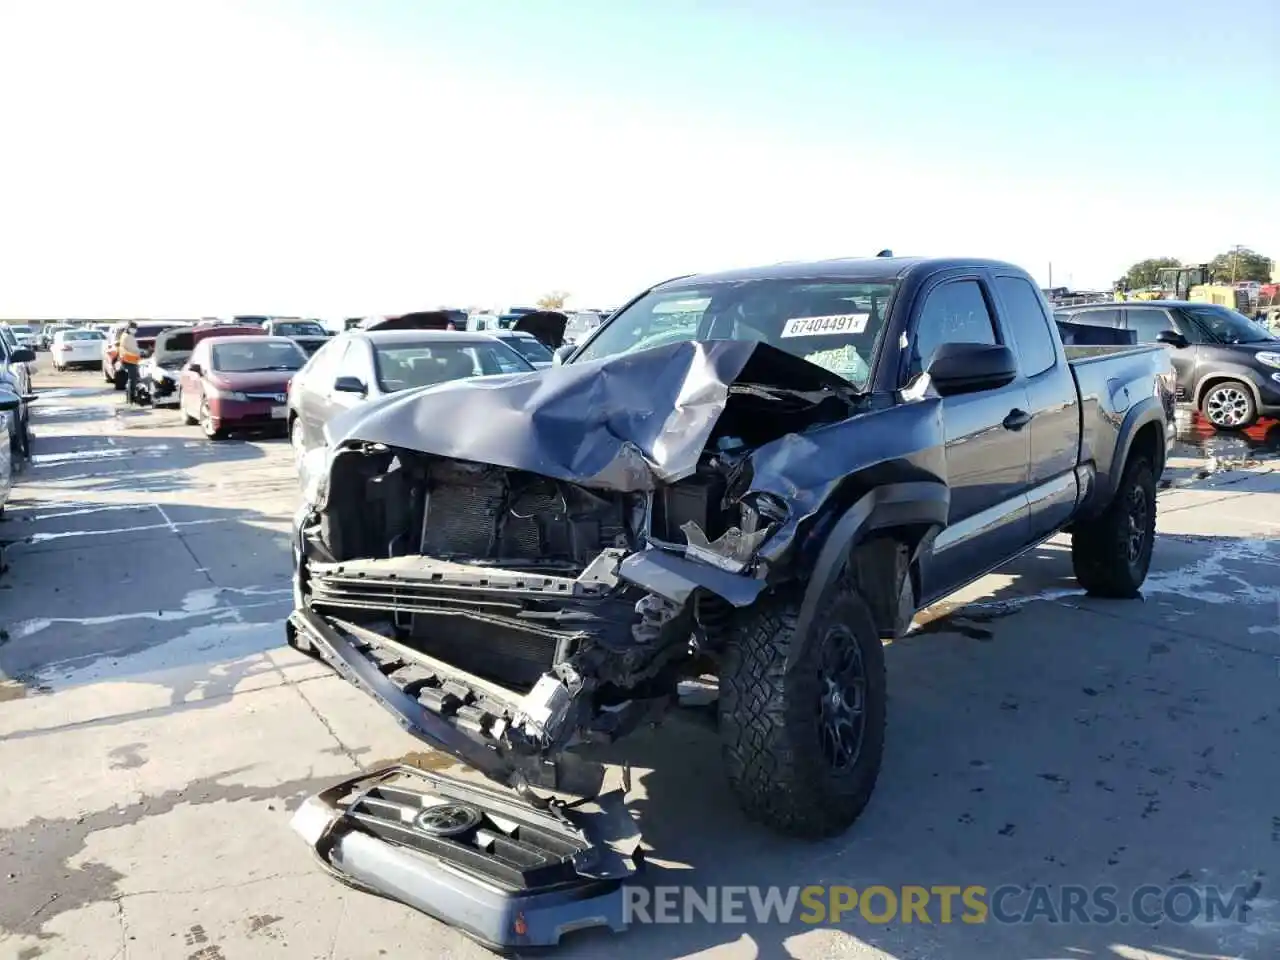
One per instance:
(1227, 365)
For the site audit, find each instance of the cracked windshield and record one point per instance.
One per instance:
(834, 325)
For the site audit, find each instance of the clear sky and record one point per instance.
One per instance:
(180, 157)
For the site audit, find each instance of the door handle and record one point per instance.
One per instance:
(1017, 419)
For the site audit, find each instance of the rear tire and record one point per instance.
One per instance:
(803, 747)
(1111, 554)
(1229, 405)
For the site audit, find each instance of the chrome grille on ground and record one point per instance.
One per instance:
(512, 853)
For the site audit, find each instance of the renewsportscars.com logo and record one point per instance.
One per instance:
(939, 904)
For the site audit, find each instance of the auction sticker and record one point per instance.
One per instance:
(821, 326)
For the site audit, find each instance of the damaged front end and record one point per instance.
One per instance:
(515, 566)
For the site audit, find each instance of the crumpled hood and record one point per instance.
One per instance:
(626, 423)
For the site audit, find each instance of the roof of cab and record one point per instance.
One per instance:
(866, 269)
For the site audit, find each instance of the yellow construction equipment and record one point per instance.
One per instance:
(1194, 282)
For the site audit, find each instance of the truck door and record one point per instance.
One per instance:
(987, 449)
(1052, 401)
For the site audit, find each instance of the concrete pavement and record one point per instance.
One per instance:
(155, 733)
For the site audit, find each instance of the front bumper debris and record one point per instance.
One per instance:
(453, 711)
(504, 872)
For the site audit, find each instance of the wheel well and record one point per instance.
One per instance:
(878, 565)
(1213, 380)
(1147, 443)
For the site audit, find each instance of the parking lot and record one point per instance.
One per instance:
(155, 731)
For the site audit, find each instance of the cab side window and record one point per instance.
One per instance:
(955, 312)
(1028, 324)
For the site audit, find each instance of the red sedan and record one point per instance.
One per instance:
(239, 383)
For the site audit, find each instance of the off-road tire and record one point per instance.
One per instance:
(769, 717)
(1232, 404)
(1100, 548)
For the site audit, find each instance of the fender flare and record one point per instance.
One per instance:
(924, 503)
(1147, 410)
(1239, 374)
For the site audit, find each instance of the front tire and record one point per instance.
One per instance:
(803, 746)
(206, 423)
(1229, 405)
(1111, 554)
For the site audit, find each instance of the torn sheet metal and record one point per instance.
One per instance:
(627, 423)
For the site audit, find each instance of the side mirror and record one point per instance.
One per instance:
(1172, 338)
(969, 367)
(196, 369)
(562, 354)
(9, 401)
(350, 385)
(23, 355)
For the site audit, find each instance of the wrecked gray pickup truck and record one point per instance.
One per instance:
(757, 475)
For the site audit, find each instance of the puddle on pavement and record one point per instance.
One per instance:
(1198, 439)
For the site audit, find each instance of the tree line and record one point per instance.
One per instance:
(1235, 266)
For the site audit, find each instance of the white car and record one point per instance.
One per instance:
(76, 348)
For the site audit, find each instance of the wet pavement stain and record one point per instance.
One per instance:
(39, 853)
(418, 759)
(1196, 437)
(261, 924)
(127, 757)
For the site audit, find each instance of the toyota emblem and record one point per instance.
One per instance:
(447, 819)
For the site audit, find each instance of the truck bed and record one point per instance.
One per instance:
(1115, 388)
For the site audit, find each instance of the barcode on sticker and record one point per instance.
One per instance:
(820, 326)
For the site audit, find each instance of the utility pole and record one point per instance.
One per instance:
(1050, 274)
(1235, 260)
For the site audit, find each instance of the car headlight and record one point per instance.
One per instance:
(221, 394)
(313, 473)
(1268, 358)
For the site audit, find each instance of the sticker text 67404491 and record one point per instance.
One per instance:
(821, 326)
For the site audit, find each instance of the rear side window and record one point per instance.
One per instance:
(1148, 322)
(323, 368)
(955, 312)
(1029, 325)
(1097, 318)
